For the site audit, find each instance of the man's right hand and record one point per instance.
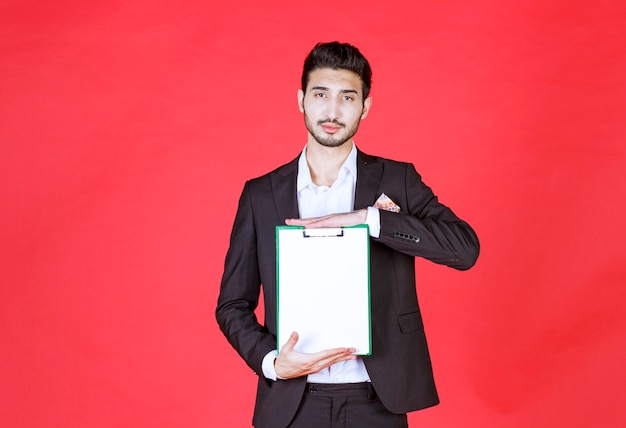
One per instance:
(290, 363)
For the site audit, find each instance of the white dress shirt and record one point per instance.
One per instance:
(316, 201)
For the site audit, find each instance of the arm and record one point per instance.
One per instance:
(240, 289)
(427, 228)
(423, 228)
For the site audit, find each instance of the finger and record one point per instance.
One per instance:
(290, 343)
(336, 220)
(297, 221)
(326, 221)
(336, 358)
(334, 351)
(333, 355)
(330, 360)
(305, 221)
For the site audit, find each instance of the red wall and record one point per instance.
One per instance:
(127, 130)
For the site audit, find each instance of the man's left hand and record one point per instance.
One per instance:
(333, 220)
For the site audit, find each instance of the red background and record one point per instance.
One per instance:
(128, 128)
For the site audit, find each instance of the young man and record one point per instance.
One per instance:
(333, 184)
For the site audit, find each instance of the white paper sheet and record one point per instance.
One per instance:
(323, 288)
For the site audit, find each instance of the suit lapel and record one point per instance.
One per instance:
(284, 190)
(369, 173)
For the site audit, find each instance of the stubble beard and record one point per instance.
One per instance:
(327, 140)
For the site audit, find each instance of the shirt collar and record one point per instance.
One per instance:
(304, 173)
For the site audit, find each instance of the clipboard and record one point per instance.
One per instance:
(323, 288)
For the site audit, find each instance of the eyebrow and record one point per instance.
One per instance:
(343, 91)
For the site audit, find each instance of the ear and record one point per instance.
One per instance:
(301, 100)
(367, 104)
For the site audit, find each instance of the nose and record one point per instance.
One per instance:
(332, 109)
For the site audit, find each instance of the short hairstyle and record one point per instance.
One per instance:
(337, 55)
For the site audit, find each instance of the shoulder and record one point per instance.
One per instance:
(286, 170)
(369, 158)
(389, 165)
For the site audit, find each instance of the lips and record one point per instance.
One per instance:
(330, 128)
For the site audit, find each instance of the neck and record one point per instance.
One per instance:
(325, 162)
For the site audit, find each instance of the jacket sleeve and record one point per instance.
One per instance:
(240, 289)
(426, 228)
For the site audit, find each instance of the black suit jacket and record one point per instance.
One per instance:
(399, 367)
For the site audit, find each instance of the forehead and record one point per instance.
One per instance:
(339, 79)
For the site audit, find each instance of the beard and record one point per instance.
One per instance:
(330, 140)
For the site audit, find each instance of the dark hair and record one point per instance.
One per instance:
(337, 55)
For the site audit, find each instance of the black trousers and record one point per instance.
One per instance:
(348, 405)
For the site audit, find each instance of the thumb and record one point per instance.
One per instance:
(291, 342)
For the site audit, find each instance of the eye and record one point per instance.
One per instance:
(347, 98)
(319, 95)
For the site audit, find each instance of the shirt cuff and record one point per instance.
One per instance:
(373, 221)
(268, 365)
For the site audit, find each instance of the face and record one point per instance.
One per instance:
(333, 106)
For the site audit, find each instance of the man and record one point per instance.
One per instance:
(333, 184)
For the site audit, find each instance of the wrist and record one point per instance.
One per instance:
(269, 364)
